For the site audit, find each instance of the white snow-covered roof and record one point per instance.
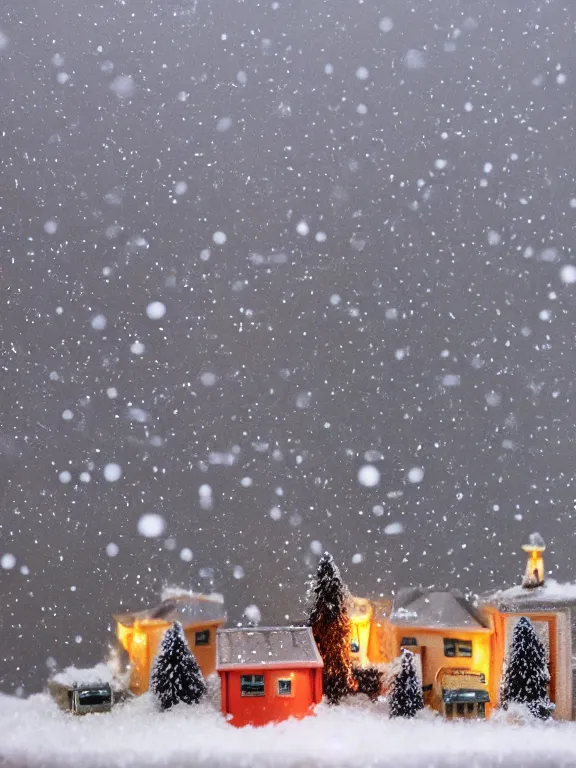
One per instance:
(551, 591)
(437, 609)
(186, 607)
(274, 647)
(101, 673)
(172, 591)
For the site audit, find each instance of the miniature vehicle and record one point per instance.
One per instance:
(82, 699)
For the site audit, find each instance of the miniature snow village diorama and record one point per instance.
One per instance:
(418, 649)
(460, 681)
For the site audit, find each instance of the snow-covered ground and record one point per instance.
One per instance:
(34, 734)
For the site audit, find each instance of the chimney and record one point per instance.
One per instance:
(534, 574)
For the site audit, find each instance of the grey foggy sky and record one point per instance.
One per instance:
(438, 159)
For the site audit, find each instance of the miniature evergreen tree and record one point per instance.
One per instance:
(526, 675)
(176, 677)
(406, 693)
(331, 629)
(368, 680)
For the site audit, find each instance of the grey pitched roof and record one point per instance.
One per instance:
(435, 609)
(187, 609)
(266, 647)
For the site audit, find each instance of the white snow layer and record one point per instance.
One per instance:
(171, 591)
(34, 733)
(550, 591)
(101, 673)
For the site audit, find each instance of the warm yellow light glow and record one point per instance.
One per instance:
(481, 657)
(124, 635)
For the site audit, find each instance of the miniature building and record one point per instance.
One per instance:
(552, 614)
(84, 691)
(451, 641)
(534, 575)
(268, 674)
(140, 633)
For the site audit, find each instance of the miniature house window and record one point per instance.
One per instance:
(202, 637)
(453, 647)
(481, 709)
(252, 685)
(284, 687)
(449, 710)
(408, 641)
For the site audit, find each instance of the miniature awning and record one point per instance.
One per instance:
(465, 696)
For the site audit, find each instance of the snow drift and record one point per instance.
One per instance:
(34, 733)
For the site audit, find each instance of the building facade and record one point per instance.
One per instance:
(140, 633)
(268, 674)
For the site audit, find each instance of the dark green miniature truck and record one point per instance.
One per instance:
(82, 699)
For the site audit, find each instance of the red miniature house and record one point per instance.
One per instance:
(268, 674)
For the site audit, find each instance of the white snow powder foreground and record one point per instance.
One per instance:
(34, 733)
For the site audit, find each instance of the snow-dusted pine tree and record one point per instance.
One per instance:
(406, 698)
(176, 677)
(526, 676)
(331, 629)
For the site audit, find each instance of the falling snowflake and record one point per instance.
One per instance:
(112, 472)
(151, 525)
(156, 310)
(123, 86)
(368, 476)
(415, 475)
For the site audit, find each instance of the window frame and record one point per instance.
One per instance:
(457, 645)
(284, 694)
(202, 642)
(252, 681)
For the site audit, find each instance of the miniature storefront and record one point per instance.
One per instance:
(140, 633)
(452, 644)
(268, 674)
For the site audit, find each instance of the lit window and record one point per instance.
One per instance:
(453, 647)
(252, 685)
(284, 687)
(202, 637)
